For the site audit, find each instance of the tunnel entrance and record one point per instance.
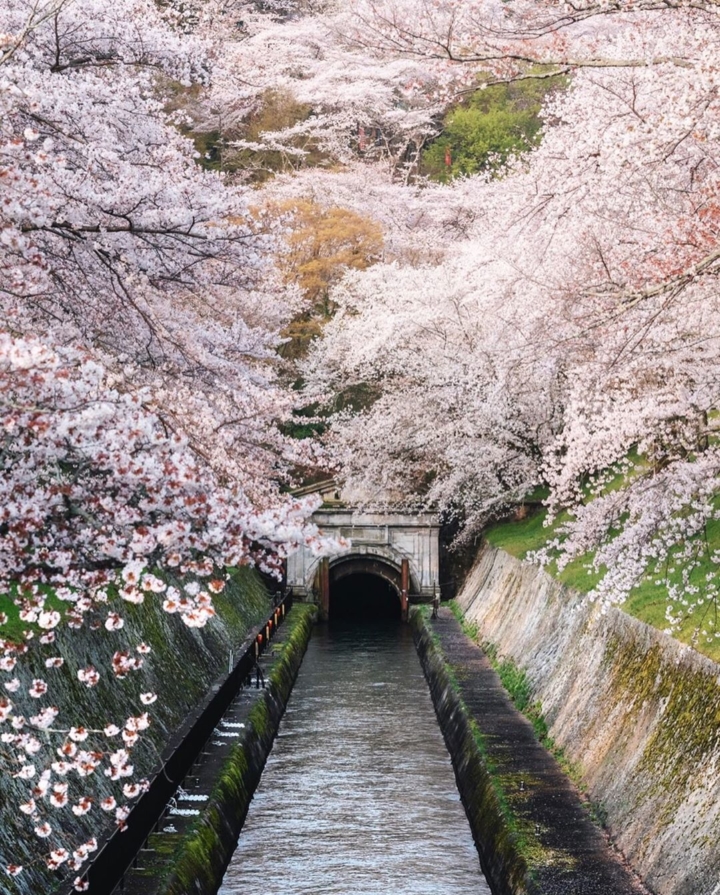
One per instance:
(363, 597)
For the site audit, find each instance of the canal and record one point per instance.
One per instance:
(358, 796)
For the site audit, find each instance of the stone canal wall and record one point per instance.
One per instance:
(637, 712)
(189, 855)
(182, 667)
(502, 862)
(534, 834)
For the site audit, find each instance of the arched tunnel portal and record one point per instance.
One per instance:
(364, 587)
(399, 549)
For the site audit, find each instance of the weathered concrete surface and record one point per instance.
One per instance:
(189, 855)
(638, 713)
(533, 832)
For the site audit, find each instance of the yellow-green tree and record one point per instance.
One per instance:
(322, 244)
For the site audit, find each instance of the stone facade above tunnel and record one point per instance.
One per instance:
(389, 537)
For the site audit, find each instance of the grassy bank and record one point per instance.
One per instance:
(647, 601)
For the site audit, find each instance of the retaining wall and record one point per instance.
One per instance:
(199, 860)
(183, 665)
(502, 863)
(637, 711)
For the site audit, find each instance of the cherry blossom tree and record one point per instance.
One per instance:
(557, 325)
(101, 509)
(459, 420)
(115, 240)
(350, 102)
(592, 264)
(140, 320)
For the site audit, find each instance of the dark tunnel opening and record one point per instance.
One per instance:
(363, 597)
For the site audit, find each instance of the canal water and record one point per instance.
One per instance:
(358, 796)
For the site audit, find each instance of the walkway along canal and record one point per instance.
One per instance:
(358, 796)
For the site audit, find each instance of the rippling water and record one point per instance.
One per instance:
(358, 795)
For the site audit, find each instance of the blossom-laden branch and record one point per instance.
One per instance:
(140, 433)
(569, 336)
(97, 504)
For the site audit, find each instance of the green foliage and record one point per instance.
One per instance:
(648, 599)
(278, 111)
(306, 422)
(494, 124)
(209, 147)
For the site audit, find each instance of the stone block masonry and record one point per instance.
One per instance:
(634, 710)
(533, 832)
(191, 850)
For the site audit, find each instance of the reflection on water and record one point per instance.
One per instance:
(358, 796)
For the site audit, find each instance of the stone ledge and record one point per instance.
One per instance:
(532, 831)
(191, 851)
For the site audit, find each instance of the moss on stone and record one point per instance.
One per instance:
(507, 850)
(181, 667)
(689, 734)
(519, 689)
(200, 857)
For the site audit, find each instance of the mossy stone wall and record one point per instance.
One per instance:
(181, 668)
(200, 860)
(502, 862)
(636, 711)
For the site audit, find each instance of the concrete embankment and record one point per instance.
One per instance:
(532, 830)
(635, 711)
(195, 842)
(182, 667)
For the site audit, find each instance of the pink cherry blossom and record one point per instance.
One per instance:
(89, 676)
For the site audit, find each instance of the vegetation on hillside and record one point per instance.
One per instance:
(483, 133)
(698, 627)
